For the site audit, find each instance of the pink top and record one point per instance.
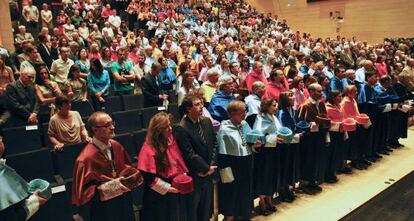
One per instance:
(381, 69)
(253, 77)
(274, 90)
(334, 113)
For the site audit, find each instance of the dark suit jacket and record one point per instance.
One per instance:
(46, 57)
(21, 100)
(199, 156)
(151, 90)
(308, 111)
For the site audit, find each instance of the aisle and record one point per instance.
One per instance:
(337, 200)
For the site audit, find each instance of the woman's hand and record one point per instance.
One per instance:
(257, 144)
(173, 190)
(59, 146)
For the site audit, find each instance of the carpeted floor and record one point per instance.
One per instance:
(393, 204)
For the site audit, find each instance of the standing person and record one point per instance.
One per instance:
(66, 126)
(21, 99)
(201, 158)
(278, 84)
(354, 149)
(335, 152)
(31, 16)
(46, 16)
(123, 74)
(221, 98)
(103, 176)
(160, 160)
(235, 155)
(98, 84)
(255, 75)
(267, 161)
(289, 153)
(313, 152)
(153, 94)
(60, 67)
(16, 204)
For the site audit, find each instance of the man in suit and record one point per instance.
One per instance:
(153, 95)
(44, 51)
(313, 170)
(21, 98)
(200, 156)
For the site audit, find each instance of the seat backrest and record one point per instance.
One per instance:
(173, 109)
(139, 138)
(127, 141)
(147, 114)
(19, 140)
(45, 136)
(33, 164)
(172, 97)
(133, 102)
(127, 121)
(113, 104)
(84, 108)
(65, 160)
(58, 207)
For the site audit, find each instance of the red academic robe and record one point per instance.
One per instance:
(93, 169)
(159, 205)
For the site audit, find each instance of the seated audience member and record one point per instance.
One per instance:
(98, 84)
(83, 62)
(103, 176)
(21, 99)
(16, 203)
(255, 75)
(209, 87)
(336, 82)
(277, 84)
(235, 155)
(187, 86)
(167, 75)
(123, 74)
(153, 94)
(66, 126)
(76, 86)
(60, 67)
(160, 161)
(46, 90)
(221, 98)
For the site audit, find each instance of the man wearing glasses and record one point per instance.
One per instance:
(103, 176)
(21, 99)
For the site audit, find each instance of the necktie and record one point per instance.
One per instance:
(201, 132)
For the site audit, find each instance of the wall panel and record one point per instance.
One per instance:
(367, 19)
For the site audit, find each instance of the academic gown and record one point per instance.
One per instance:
(13, 192)
(383, 118)
(290, 153)
(352, 149)
(267, 160)
(91, 170)
(400, 119)
(170, 206)
(368, 104)
(235, 198)
(336, 151)
(313, 152)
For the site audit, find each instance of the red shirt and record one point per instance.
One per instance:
(253, 77)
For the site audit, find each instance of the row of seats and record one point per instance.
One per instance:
(23, 139)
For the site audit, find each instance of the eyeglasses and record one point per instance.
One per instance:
(107, 125)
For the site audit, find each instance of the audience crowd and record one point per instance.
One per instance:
(265, 111)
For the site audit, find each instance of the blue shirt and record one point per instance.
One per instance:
(99, 83)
